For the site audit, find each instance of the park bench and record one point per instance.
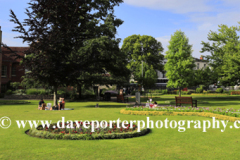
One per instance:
(185, 100)
(121, 98)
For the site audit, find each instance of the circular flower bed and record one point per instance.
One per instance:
(78, 132)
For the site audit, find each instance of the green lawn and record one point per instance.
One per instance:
(159, 144)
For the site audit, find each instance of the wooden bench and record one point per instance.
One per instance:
(185, 100)
(121, 98)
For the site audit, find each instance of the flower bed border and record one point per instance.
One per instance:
(48, 135)
(167, 113)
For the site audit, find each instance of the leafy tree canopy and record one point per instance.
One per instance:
(147, 50)
(69, 39)
(180, 63)
(224, 49)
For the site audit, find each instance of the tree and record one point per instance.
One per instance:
(204, 76)
(147, 50)
(146, 75)
(224, 53)
(60, 33)
(180, 63)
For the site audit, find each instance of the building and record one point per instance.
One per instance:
(162, 79)
(11, 70)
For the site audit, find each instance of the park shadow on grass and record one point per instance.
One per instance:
(123, 105)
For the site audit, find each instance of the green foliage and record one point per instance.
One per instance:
(133, 93)
(201, 74)
(225, 55)
(148, 77)
(164, 91)
(226, 92)
(15, 85)
(77, 48)
(180, 62)
(8, 92)
(143, 50)
(186, 92)
(219, 90)
(209, 91)
(199, 90)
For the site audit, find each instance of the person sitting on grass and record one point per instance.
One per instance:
(60, 103)
(55, 107)
(63, 103)
(155, 104)
(40, 104)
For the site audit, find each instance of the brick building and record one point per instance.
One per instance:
(11, 70)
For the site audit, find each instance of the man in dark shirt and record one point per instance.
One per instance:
(40, 104)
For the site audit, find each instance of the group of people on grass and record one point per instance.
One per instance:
(59, 106)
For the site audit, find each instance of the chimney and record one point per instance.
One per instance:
(201, 58)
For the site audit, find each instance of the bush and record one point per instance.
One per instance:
(133, 92)
(172, 92)
(209, 91)
(164, 91)
(186, 92)
(32, 92)
(199, 90)
(219, 90)
(42, 93)
(8, 92)
(226, 92)
(61, 92)
(88, 92)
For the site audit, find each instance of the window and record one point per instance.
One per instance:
(204, 65)
(14, 70)
(197, 65)
(4, 71)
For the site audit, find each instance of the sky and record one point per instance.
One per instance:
(156, 18)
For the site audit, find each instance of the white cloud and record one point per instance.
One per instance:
(8, 39)
(165, 41)
(176, 6)
(195, 39)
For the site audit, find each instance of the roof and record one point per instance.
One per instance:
(8, 56)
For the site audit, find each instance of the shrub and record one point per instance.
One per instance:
(133, 92)
(42, 93)
(199, 90)
(172, 92)
(164, 91)
(219, 90)
(210, 91)
(226, 92)
(32, 92)
(186, 92)
(61, 92)
(8, 92)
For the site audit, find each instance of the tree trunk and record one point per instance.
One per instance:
(79, 87)
(179, 92)
(55, 96)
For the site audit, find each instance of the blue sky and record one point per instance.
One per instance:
(157, 18)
